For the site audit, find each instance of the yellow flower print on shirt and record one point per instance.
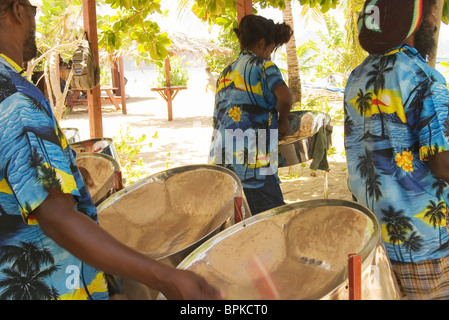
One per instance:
(405, 161)
(235, 113)
(270, 117)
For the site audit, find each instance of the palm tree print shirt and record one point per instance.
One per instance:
(34, 156)
(245, 138)
(396, 116)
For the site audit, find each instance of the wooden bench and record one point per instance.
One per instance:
(75, 99)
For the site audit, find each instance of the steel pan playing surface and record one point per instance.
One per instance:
(297, 251)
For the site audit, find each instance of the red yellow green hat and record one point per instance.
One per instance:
(385, 24)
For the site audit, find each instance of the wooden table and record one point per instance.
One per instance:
(169, 93)
(75, 98)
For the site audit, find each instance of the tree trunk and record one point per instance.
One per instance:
(294, 79)
(439, 15)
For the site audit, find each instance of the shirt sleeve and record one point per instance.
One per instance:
(31, 154)
(433, 123)
(273, 76)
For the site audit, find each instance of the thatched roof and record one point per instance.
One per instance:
(181, 44)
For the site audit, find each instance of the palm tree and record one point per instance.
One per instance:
(413, 243)
(374, 187)
(45, 174)
(398, 225)
(348, 124)
(294, 79)
(426, 122)
(24, 279)
(440, 185)
(418, 95)
(377, 80)
(366, 168)
(436, 213)
(363, 101)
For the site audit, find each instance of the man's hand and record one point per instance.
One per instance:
(284, 127)
(85, 239)
(284, 101)
(186, 285)
(88, 180)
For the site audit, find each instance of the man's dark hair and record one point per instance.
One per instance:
(425, 41)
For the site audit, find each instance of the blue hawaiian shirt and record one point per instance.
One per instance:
(34, 156)
(245, 138)
(396, 116)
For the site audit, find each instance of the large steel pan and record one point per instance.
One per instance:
(100, 173)
(297, 251)
(72, 134)
(298, 149)
(98, 145)
(167, 215)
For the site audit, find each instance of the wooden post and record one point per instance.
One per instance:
(118, 81)
(94, 95)
(168, 91)
(355, 277)
(122, 85)
(439, 16)
(244, 7)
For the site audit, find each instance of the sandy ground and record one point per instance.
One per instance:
(186, 140)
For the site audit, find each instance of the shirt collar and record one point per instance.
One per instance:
(402, 47)
(247, 51)
(20, 70)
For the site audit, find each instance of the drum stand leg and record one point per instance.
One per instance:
(355, 276)
(326, 186)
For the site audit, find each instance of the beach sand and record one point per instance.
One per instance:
(186, 140)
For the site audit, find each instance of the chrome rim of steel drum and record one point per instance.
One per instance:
(265, 237)
(163, 196)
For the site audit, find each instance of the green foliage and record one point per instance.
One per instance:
(58, 24)
(179, 75)
(128, 147)
(218, 62)
(321, 104)
(130, 24)
(307, 53)
(332, 55)
(224, 13)
(446, 12)
(325, 5)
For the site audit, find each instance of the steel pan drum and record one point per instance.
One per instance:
(72, 134)
(298, 148)
(297, 251)
(167, 215)
(101, 170)
(99, 145)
